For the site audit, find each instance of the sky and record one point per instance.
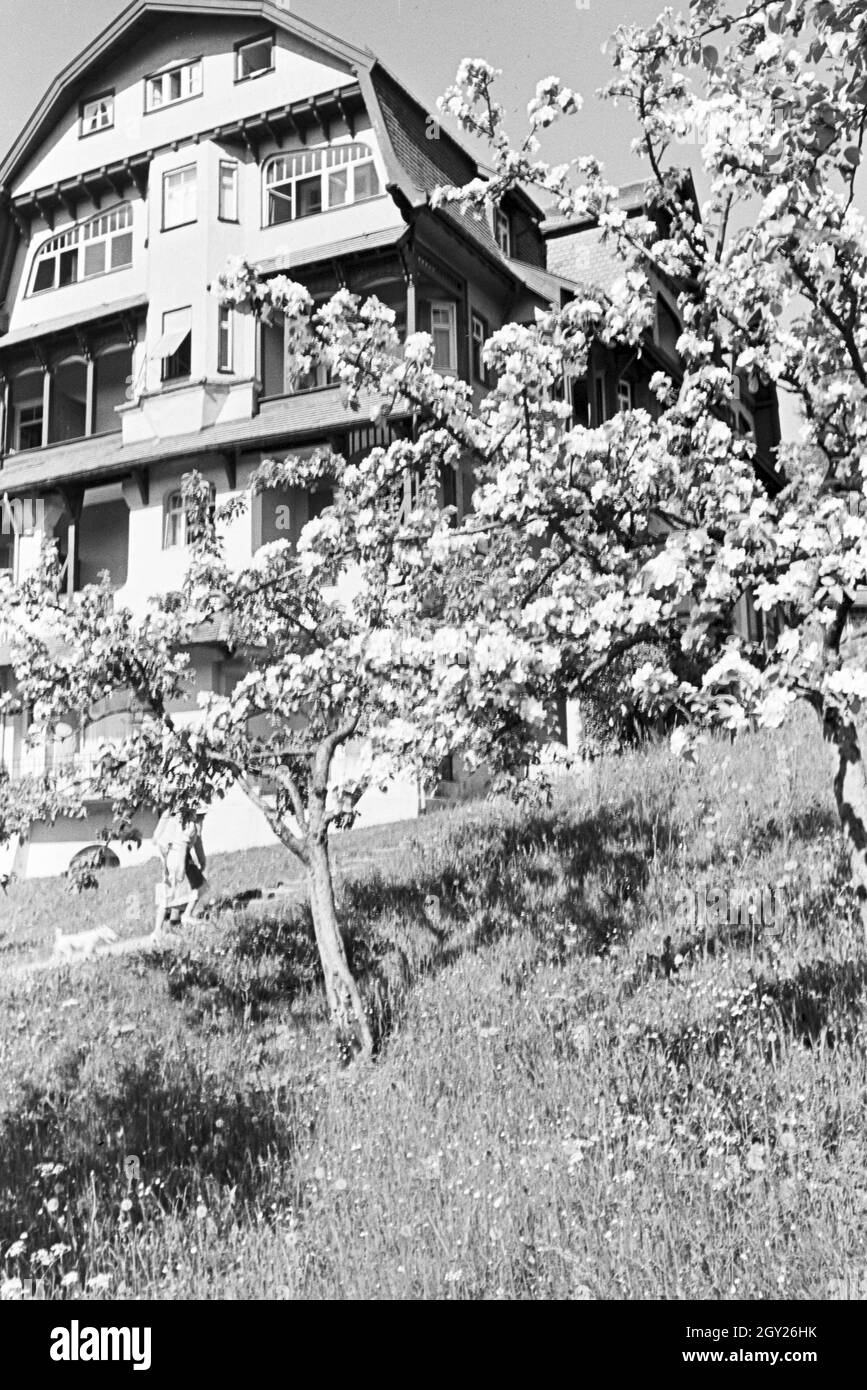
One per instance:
(422, 41)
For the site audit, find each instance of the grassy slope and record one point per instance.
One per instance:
(550, 1114)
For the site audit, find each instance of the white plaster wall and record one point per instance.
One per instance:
(296, 75)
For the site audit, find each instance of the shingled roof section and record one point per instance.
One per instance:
(585, 259)
(430, 157)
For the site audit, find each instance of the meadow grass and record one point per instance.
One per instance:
(563, 1104)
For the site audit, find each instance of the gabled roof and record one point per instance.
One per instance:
(134, 21)
(415, 164)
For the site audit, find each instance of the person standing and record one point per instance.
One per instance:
(179, 845)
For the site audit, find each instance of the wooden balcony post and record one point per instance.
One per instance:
(46, 404)
(90, 398)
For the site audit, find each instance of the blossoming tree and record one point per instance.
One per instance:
(422, 633)
(772, 277)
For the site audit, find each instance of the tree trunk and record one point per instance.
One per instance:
(341, 991)
(850, 792)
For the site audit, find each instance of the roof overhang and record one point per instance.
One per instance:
(71, 323)
(135, 20)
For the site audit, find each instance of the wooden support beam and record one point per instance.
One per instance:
(115, 178)
(141, 479)
(137, 174)
(45, 212)
(73, 499)
(272, 130)
(295, 127)
(250, 145)
(67, 198)
(323, 124)
(345, 114)
(95, 198)
(230, 466)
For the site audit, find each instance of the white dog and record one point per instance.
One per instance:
(83, 944)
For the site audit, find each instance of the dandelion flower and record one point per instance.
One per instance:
(201, 1211)
(69, 1280)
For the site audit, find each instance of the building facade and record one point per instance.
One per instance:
(187, 134)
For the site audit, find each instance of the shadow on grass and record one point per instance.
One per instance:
(565, 882)
(820, 1006)
(70, 1145)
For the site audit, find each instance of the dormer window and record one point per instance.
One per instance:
(88, 249)
(174, 84)
(313, 181)
(97, 114)
(503, 231)
(254, 57)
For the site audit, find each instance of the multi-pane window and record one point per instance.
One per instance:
(503, 231)
(178, 523)
(97, 114)
(254, 57)
(624, 396)
(179, 197)
(443, 318)
(177, 83)
(312, 181)
(90, 248)
(176, 345)
(479, 334)
(228, 191)
(174, 521)
(28, 425)
(225, 335)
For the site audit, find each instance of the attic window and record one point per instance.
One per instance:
(254, 57)
(503, 231)
(174, 84)
(97, 114)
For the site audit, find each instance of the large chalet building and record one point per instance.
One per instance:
(187, 134)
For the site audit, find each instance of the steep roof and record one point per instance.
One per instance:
(415, 161)
(133, 22)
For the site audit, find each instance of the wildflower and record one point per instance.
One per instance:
(11, 1290)
(69, 1280)
(99, 1283)
(126, 1204)
(756, 1158)
(201, 1211)
(15, 1249)
(52, 1205)
(341, 1185)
